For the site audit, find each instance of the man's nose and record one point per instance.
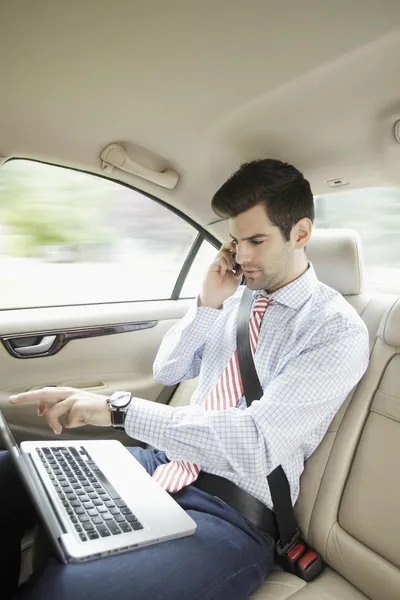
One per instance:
(242, 255)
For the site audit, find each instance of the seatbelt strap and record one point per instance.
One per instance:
(277, 480)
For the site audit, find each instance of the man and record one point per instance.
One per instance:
(310, 349)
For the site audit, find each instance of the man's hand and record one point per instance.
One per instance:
(81, 408)
(220, 282)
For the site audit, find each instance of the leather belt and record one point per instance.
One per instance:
(244, 503)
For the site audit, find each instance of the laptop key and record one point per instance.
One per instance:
(92, 465)
(136, 526)
(78, 528)
(93, 495)
(114, 510)
(119, 518)
(88, 504)
(97, 502)
(106, 516)
(120, 503)
(131, 518)
(103, 530)
(92, 512)
(83, 537)
(84, 518)
(84, 498)
(80, 493)
(126, 528)
(126, 511)
(113, 527)
(102, 509)
(110, 489)
(97, 519)
(109, 503)
(80, 510)
(92, 535)
(87, 526)
(74, 519)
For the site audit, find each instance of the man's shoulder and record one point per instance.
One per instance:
(333, 311)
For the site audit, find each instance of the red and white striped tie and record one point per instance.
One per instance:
(177, 474)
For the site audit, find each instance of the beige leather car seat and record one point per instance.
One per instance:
(355, 519)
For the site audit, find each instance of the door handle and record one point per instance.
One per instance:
(43, 346)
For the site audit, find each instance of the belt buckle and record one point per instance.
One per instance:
(299, 558)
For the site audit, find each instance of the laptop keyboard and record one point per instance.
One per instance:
(93, 505)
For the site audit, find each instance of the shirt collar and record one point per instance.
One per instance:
(296, 293)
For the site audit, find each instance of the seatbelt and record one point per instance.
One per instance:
(289, 546)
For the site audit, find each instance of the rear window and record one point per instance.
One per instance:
(375, 214)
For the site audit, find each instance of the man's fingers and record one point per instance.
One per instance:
(229, 247)
(56, 411)
(42, 408)
(42, 396)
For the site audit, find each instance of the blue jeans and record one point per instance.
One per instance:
(227, 558)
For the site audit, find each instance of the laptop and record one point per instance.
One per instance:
(94, 498)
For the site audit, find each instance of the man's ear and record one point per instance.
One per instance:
(302, 233)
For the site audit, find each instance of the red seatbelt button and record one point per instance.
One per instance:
(309, 566)
(307, 559)
(295, 553)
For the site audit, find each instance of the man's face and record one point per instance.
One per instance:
(267, 260)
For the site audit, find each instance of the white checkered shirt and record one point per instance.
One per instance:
(312, 350)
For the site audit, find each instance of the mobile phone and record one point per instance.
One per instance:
(235, 265)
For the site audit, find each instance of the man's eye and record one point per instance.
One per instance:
(257, 242)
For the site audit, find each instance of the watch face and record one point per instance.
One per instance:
(120, 399)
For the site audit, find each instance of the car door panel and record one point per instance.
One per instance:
(121, 359)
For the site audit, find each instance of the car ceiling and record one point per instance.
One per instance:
(203, 86)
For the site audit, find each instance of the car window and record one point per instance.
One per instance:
(375, 214)
(68, 237)
(203, 260)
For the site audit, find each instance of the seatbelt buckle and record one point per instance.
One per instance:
(309, 565)
(294, 554)
(299, 558)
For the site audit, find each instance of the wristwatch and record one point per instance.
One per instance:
(118, 403)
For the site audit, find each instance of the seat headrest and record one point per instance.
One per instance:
(389, 329)
(337, 257)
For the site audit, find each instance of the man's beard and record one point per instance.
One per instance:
(263, 281)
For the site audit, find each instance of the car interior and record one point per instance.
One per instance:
(165, 100)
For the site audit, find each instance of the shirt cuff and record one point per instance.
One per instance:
(146, 421)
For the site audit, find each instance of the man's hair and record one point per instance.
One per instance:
(280, 187)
